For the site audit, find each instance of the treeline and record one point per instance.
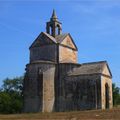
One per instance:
(116, 95)
(11, 95)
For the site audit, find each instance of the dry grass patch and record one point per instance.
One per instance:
(113, 114)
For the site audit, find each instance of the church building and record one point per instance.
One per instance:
(55, 81)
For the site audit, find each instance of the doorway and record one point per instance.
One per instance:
(106, 96)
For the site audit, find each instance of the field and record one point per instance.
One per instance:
(113, 114)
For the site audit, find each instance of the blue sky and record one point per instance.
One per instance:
(93, 24)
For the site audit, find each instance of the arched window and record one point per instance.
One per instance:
(58, 30)
(50, 30)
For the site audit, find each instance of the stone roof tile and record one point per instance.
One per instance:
(61, 37)
(89, 68)
(49, 36)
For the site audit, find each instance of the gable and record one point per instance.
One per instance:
(106, 70)
(100, 67)
(43, 39)
(68, 41)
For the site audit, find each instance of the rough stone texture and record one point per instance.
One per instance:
(43, 48)
(48, 90)
(54, 81)
(67, 55)
(77, 92)
(106, 81)
(48, 45)
(68, 42)
(63, 90)
(39, 84)
(81, 86)
(47, 52)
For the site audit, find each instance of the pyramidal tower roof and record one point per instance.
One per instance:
(54, 16)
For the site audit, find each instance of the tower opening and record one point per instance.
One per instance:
(50, 30)
(53, 27)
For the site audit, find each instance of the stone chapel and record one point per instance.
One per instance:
(55, 81)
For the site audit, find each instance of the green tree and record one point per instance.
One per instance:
(11, 97)
(116, 95)
(13, 85)
(5, 102)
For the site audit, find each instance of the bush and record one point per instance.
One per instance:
(116, 95)
(11, 97)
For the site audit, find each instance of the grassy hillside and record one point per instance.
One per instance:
(113, 114)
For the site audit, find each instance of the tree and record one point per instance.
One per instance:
(5, 102)
(11, 95)
(116, 95)
(13, 85)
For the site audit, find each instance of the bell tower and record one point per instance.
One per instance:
(53, 27)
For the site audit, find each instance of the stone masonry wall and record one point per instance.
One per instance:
(83, 92)
(45, 52)
(60, 87)
(36, 90)
(67, 55)
(77, 92)
(48, 90)
(106, 80)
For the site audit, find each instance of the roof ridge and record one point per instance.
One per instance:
(51, 37)
(62, 34)
(61, 37)
(97, 62)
